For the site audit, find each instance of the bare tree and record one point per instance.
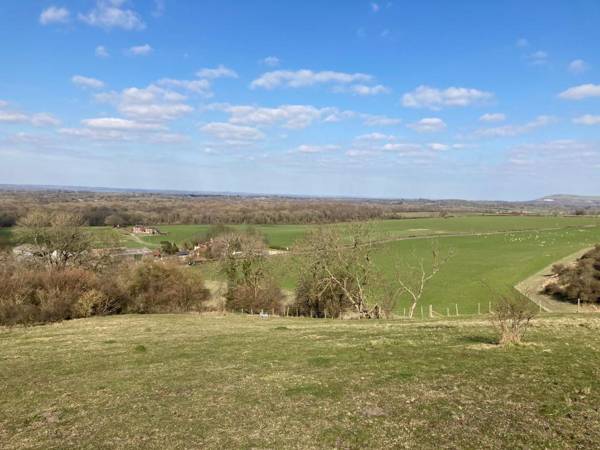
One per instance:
(337, 272)
(58, 239)
(413, 276)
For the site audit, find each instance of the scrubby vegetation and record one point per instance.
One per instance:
(578, 282)
(250, 284)
(512, 317)
(57, 275)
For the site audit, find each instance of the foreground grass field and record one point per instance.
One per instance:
(186, 381)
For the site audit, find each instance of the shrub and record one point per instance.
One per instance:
(32, 294)
(267, 296)
(511, 316)
(580, 281)
(154, 287)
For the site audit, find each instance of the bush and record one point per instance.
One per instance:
(265, 297)
(154, 287)
(34, 294)
(511, 316)
(578, 282)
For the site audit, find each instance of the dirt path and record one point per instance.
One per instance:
(530, 287)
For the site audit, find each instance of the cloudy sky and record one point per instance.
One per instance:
(470, 99)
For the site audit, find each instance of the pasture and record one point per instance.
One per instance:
(190, 381)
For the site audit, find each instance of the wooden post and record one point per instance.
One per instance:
(404, 313)
(273, 312)
(490, 307)
(478, 309)
(422, 316)
(456, 304)
(251, 312)
(325, 313)
(431, 311)
(242, 310)
(447, 312)
(578, 305)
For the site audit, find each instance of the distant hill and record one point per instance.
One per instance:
(570, 201)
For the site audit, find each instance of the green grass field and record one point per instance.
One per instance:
(282, 236)
(520, 247)
(186, 381)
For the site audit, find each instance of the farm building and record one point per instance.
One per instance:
(141, 229)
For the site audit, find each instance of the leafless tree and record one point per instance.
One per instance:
(414, 275)
(337, 272)
(57, 239)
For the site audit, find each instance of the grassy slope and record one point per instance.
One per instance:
(239, 382)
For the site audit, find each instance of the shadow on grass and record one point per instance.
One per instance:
(478, 339)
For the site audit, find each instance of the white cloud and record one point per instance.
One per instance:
(303, 78)
(116, 123)
(433, 98)
(538, 58)
(516, 130)
(316, 148)
(428, 125)
(44, 120)
(87, 82)
(587, 119)
(383, 121)
(493, 117)
(271, 61)
(153, 103)
(123, 135)
(219, 72)
(201, 87)
(375, 137)
(375, 7)
(577, 66)
(54, 14)
(140, 50)
(559, 154)
(436, 146)
(110, 14)
(581, 92)
(363, 89)
(12, 116)
(232, 134)
(101, 52)
(289, 116)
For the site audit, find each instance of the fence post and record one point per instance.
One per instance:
(325, 313)
(431, 311)
(478, 309)
(578, 305)
(422, 316)
(251, 312)
(447, 312)
(490, 307)
(456, 304)
(404, 313)
(242, 310)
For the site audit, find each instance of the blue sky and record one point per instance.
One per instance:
(440, 99)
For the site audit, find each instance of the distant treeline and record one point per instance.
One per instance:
(122, 209)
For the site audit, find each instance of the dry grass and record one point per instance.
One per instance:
(192, 381)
